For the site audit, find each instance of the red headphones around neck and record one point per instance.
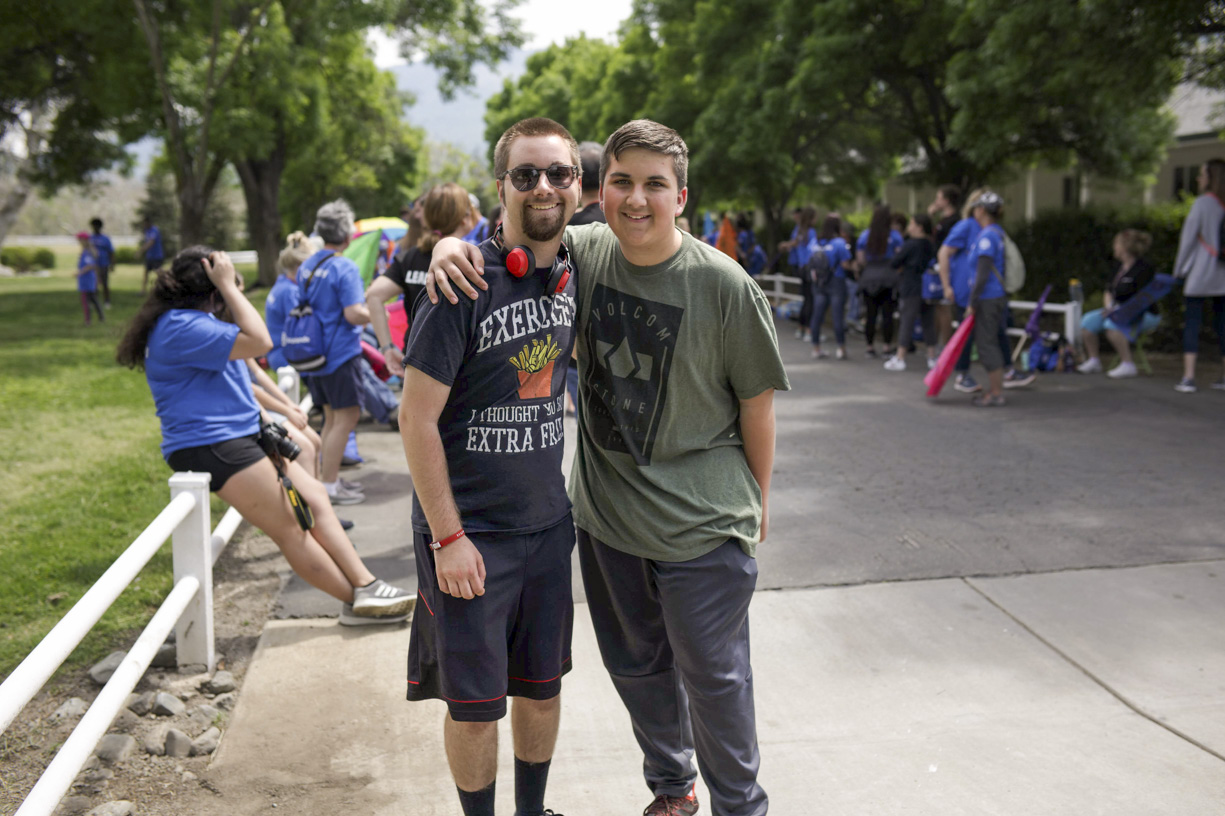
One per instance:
(521, 261)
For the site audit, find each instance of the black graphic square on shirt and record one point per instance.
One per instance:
(631, 342)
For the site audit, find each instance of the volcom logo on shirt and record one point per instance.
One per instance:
(632, 342)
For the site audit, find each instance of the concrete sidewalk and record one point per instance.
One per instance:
(1080, 691)
(1097, 691)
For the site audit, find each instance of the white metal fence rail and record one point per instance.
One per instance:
(188, 610)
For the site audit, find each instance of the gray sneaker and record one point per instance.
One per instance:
(350, 618)
(344, 495)
(347, 485)
(380, 599)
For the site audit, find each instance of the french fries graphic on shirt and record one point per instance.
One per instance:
(534, 366)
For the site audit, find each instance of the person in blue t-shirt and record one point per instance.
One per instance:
(195, 366)
(87, 276)
(799, 249)
(955, 267)
(283, 296)
(151, 250)
(878, 280)
(987, 300)
(105, 251)
(833, 292)
(333, 286)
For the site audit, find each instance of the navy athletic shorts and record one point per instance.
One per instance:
(338, 389)
(513, 640)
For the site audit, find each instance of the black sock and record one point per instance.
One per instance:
(477, 803)
(530, 780)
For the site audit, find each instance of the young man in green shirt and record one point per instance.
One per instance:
(678, 364)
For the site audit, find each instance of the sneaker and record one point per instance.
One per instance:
(1015, 379)
(931, 363)
(380, 598)
(350, 461)
(1185, 386)
(817, 354)
(106, 305)
(345, 524)
(350, 618)
(870, 352)
(840, 354)
(1090, 366)
(988, 401)
(799, 333)
(673, 805)
(1123, 371)
(966, 384)
(895, 363)
(1219, 385)
(807, 338)
(347, 485)
(344, 495)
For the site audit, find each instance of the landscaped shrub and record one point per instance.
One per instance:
(24, 259)
(127, 255)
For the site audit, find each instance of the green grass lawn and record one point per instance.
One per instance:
(80, 470)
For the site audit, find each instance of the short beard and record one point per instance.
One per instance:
(543, 228)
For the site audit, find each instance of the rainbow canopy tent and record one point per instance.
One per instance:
(374, 239)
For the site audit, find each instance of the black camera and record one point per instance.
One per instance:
(276, 442)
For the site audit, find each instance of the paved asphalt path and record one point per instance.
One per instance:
(875, 482)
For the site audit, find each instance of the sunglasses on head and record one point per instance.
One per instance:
(525, 179)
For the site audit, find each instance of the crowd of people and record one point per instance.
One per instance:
(919, 276)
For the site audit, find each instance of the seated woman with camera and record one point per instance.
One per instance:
(1133, 273)
(194, 363)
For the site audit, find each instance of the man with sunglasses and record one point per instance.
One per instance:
(481, 420)
(678, 364)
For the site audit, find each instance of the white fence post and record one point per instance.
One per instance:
(290, 381)
(193, 556)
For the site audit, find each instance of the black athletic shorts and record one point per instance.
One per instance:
(513, 640)
(338, 389)
(221, 460)
(153, 264)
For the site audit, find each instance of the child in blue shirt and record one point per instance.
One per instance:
(87, 277)
(105, 251)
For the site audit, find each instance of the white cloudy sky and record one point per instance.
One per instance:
(544, 22)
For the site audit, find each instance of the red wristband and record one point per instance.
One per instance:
(455, 536)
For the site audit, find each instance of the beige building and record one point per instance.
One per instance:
(1200, 115)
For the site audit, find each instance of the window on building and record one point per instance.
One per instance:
(1071, 191)
(1186, 179)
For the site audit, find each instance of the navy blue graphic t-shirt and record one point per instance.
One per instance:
(504, 356)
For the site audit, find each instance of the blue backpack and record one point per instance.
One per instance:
(302, 335)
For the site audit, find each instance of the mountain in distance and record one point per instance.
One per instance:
(460, 121)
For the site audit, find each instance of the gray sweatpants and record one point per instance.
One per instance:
(674, 636)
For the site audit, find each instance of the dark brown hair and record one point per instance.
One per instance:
(652, 136)
(538, 126)
(1216, 178)
(185, 285)
(831, 227)
(878, 232)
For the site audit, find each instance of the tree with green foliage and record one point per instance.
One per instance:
(70, 93)
(264, 84)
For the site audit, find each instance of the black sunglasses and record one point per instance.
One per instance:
(525, 179)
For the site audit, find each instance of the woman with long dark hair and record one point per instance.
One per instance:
(211, 424)
(877, 281)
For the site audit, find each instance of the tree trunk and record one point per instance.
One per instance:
(261, 186)
(23, 184)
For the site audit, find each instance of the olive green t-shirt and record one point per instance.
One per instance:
(666, 353)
